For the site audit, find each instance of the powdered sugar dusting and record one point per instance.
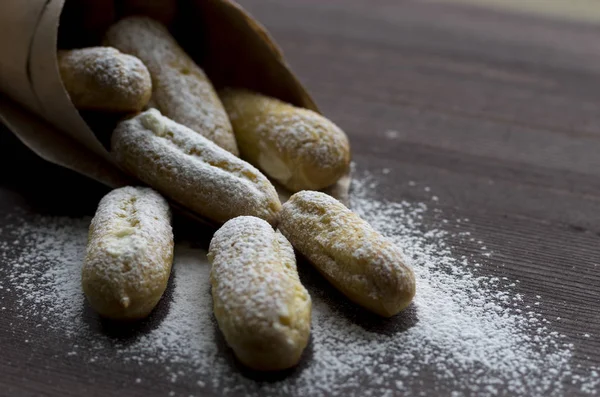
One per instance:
(261, 306)
(297, 147)
(46, 274)
(103, 78)
(466, 333)
(345, 248)
(192, 170)
(252, 270)
(129, 254)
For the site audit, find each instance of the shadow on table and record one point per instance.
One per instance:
(40, 187)
(259, 376)
(127, 332)
(48, 189)
(43, 187)
(320, 288)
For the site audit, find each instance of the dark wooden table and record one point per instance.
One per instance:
(498, 113)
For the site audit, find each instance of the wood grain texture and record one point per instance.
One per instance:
(575, 10)
(498, 113)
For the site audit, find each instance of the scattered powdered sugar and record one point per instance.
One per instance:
(466, 333)
(392, 134)
(46, 272)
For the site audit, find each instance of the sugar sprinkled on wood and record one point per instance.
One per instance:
(466, 333)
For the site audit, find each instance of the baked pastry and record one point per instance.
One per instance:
(104, 79)
(129, 253)
(357, 260)
(297, 147)
(192, 170)
(180, 89)
(259, 303)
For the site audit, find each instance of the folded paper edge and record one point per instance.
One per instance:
(307, 100)
(18, 29)
(48, 86)
(56, 147)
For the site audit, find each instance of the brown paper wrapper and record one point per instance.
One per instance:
(228, 43)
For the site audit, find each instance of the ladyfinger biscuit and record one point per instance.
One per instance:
(357, 260)
(259, 302)
(180, 89)
(102, 78)
(192, 170)
(297, 147)
(129, 253)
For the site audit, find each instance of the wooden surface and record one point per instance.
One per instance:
(498, 113)
(574, 10)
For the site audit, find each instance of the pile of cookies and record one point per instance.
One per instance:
(216, 154)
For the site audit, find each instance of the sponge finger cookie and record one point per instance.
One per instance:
(259, 303)
(129, 253)
(102, 78)
(192, 170)
(297, 147)
(357, 260)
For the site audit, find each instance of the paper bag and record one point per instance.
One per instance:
(230, 45)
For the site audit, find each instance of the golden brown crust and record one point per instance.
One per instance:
(129, 253)
(259, 302)
(181, 89)
(192, 170)
(360, 262)
(297, 147)
(104, 79)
